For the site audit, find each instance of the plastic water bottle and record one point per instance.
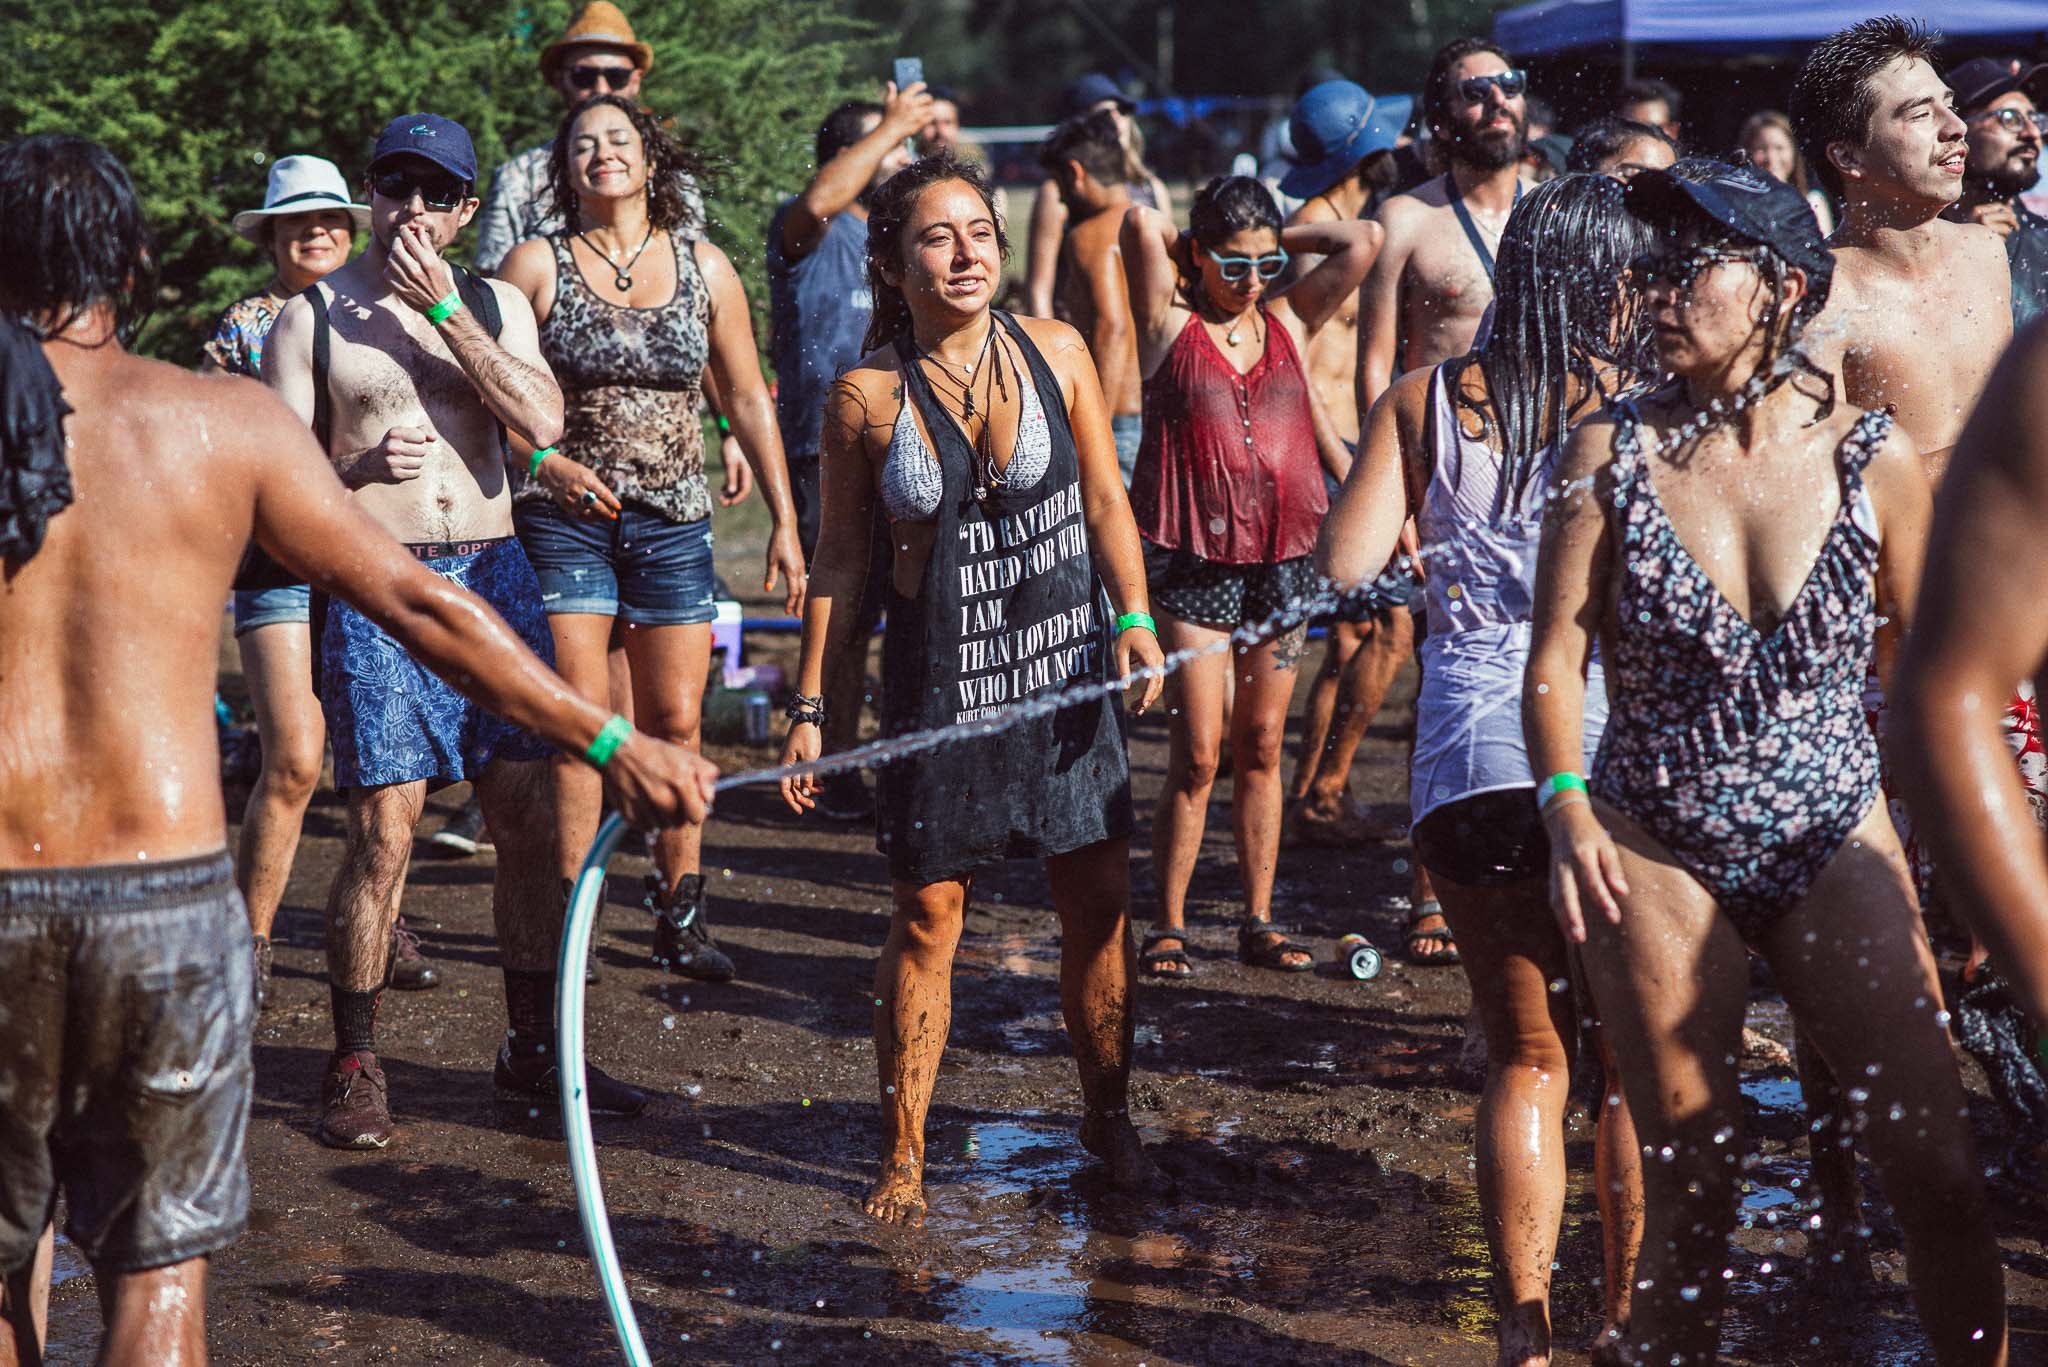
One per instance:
(758, 716)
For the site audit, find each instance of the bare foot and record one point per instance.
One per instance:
(1838, 1263)
(1610, 1347)
(1522, 1345)
(898, 1198)
(1109, 1136)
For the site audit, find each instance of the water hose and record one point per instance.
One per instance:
(597, 1226)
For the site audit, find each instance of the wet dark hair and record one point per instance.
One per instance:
(1436, 87)
(844, 127)
(72, 235)
(889, 210)
(1607, 137)
(1232, 204)
(1092, 140)
(1559, 310)
(1832, 100)
(668, 207)
(1645, 90)
(1694, 223)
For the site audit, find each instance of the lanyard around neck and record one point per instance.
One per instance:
(1472, 229)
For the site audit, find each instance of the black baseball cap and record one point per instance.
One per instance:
(1091, 90)
(442, 141)
(1755, 207)
(1981, 80)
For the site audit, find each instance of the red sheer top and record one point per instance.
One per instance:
(1228, 469)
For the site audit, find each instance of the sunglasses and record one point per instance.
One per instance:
(1236, 268)
(1679, 272)
(587, 77)
(1510, 84)
(2013, 120)
(441, 192)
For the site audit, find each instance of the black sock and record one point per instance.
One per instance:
(355, 1018)
(530, 1010)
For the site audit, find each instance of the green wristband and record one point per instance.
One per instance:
(441, 312)
(724, 425)
(1549, 790)
(1136, 619)
(609, 737)
(539, 456)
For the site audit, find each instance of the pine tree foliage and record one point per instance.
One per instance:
(199, 96)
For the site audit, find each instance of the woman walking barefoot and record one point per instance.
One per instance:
(1229, 496)
(635, 308)
(1734, 540)
(1468, 450)
(986, 442)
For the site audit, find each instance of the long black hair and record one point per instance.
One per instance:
(670, 166)
(889, 210)
(72, 235)
(1560, 310)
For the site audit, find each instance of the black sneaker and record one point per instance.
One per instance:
(682, 941)
(262, 973)
(463, 834)
(411, 971)
(844, 797)
(534, 1077)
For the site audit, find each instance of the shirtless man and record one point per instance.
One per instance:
(1343, 142)
(1920, 310)
(1922, 306)
(1085, 157)
(412, 409)
(126, 956)
(1433, 280)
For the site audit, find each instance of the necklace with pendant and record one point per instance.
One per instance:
(622, 278)
(1230, 338)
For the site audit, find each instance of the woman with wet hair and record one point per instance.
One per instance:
(1468, 450)
(1742, 549)
(636, 308)
(985, 441)
(1229, 496)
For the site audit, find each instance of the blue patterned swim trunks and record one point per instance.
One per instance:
(393, 720)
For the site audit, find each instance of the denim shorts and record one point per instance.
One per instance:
(268, 607)
(1129, 431)
(643, 568)
(126, 1072)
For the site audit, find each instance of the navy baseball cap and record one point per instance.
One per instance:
(1091, 90)
(442, 141)
(1981, 80)
(1755, 207)
(1333, 127)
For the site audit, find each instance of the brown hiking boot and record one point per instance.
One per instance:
(355, 1105)
(411, 971)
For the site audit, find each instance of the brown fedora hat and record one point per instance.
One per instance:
(598, 24)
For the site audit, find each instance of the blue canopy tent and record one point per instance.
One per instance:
(1550, 27)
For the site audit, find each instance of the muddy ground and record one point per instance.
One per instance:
(1320, 1129)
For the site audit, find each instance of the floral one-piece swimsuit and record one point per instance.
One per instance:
(1747, 754)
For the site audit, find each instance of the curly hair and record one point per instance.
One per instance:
(72, 234)
(889, 211)
(672, 169)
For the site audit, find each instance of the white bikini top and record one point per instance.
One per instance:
(913, 483)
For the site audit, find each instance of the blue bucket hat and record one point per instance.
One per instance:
(1335, 126)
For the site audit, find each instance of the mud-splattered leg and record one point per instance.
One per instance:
(913, 1011)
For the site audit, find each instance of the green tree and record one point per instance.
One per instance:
(198, 96)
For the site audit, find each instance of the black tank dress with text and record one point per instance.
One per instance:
(1009, 609)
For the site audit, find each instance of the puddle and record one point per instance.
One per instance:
(67, 1263)
(1043, 1033)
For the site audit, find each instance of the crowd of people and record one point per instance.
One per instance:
(1634, 449)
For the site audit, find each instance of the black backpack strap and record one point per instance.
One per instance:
(480, 299)
(323, 352)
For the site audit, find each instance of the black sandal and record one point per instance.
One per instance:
(1415, 940)
(1265, 945)
(1165, 963)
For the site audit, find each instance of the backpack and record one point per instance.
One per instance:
(258, 571)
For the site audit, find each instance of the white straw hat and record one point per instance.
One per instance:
(301, 185)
